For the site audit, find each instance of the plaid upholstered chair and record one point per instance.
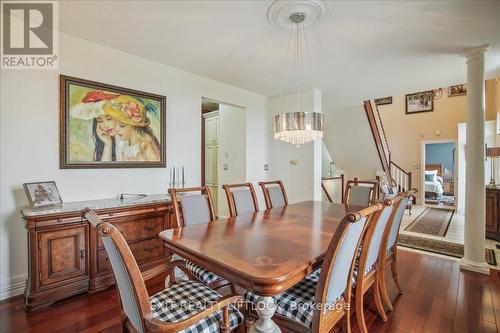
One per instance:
(194, 206)
(274, 194)
(241, 199)
(177, 308)
(369, 265)
(389, 248)
(322, 299)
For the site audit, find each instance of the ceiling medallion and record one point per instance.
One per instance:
(280, 12)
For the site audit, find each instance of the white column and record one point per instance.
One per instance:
(475, 204)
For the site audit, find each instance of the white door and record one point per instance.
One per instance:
(212, 155)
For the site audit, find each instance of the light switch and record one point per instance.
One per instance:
(225, 166)
(266, 167)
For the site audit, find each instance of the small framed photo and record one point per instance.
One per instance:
(383, 100)
(414, 104)
(458, 90)
(42, 194)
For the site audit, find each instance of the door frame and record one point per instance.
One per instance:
(422, 167)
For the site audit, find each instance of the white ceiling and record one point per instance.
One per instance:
(359, 50)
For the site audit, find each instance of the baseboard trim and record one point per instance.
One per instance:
(13, 287)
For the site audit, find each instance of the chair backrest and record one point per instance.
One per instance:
(241, 199)
(274, 194)
(360, 192)
(375, 236)
(398, 217)
(133, 293)
(327, 182)
(335, 280)
(192, 208)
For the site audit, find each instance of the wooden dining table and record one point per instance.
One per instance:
(266, 252)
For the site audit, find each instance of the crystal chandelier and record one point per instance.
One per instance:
(298, 127)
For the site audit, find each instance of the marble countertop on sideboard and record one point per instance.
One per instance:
(94, 205)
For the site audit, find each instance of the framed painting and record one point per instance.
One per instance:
(458, 90)
(383, 100)
(415, 105)
(42, 194)
(105, 126)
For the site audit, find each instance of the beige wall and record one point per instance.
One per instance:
(405, 133)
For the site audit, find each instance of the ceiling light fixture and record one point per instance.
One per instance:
(297, 127)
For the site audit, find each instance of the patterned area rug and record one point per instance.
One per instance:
(432, 221)
(441, 247)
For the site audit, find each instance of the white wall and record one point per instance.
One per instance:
(30, 144)
(349, 139)
(298, 167)
(232, 148)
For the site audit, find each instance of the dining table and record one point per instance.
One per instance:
(265, 252)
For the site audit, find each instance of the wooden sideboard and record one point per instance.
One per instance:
(66, 256)
(492, 213)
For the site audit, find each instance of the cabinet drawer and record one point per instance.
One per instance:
(138, 229)
(143, 251)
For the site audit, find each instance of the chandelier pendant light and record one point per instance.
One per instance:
(301, 126)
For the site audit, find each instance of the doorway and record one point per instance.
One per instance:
(223, 149)
(439, 173)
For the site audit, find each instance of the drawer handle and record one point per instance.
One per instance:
(149, 249)
(59, 220)
(153, 228)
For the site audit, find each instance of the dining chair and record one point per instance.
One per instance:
(274, 194)
(178, 308)
(369, 263)
(191, 206)
(389, 248)
(360, 192)
(325, 181)
(330, 285)
(241, 199)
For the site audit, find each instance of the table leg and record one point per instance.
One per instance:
(265, 309)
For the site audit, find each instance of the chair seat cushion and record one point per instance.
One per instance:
(200, 273)
(297, 302)
(183, 300)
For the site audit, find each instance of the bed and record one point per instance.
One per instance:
(434, 186)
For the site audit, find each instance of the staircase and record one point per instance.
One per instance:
(395, 174)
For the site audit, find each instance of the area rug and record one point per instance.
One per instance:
(432, 221)
(441, 247)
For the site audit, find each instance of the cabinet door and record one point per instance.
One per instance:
(211, 130)
(211, 164)
(63, 254)
(491, 213)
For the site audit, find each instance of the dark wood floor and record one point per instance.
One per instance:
(438, 298)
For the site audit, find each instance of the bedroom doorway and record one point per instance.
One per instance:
(439, 173)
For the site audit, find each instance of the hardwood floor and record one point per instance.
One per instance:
(438, 297)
